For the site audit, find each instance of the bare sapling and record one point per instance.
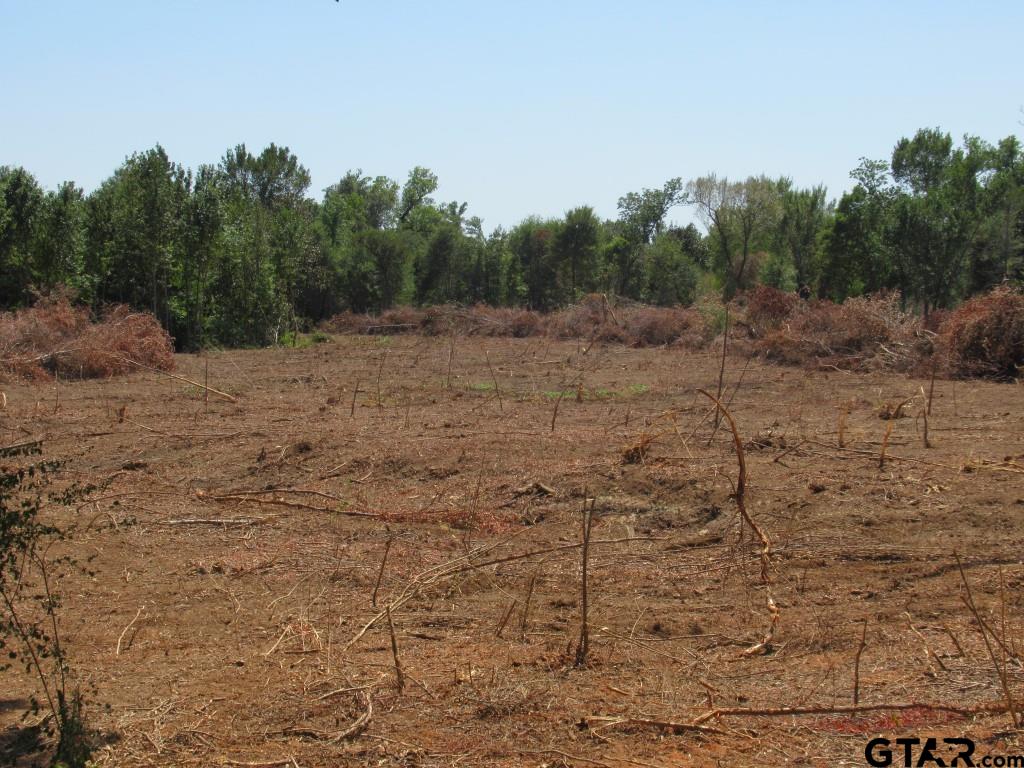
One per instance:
(451, 357)
(505, 616)
(523, 622)
(739, 496)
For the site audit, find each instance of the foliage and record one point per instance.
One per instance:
(237, 253)
(29, 604)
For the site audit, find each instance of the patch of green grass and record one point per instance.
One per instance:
(556, 394)
(599, 394)
(302, 340)
(482, 386)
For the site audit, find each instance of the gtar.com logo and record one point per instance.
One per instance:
(913, 752)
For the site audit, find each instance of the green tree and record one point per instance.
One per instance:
(856, 247)
(641, 219)
(21, 202)
(530, 244)
(741, 218)
(938, 212)
(672, 276)
(575, 251)
(805, 214)
(134, 225)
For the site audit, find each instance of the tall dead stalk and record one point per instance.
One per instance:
(856, 663)
(451, 356)
(494, 378)
(766, 545)
(380, 371)
(399, 675)
(583, 646)
(721, 370)
(380, 573)
(885, 444)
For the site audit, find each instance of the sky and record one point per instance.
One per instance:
(521, 108)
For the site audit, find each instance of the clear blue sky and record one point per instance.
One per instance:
(520, 107)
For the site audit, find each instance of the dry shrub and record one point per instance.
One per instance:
(400, 319)
(591, 318)
(54, 336)
(347, 322)
(660, 326)
(104, 348)
(863, 333)
(768, 308)
(985, 336)
(482, 320)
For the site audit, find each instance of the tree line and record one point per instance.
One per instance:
(237, 253)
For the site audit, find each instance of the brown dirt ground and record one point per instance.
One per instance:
(245, 651)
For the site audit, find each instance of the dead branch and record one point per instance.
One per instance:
(225, 395)
(766, 545)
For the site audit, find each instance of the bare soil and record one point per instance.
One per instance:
(235, 548)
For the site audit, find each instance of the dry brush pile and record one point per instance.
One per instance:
(54, 337)
(982, 338)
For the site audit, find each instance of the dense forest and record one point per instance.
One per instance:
(237, 253)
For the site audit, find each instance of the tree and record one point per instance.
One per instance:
(740, 218)
(671, 275)
(856, 246)
(937, 211)
(531, 246)
(416, 192)
(21, 202)
(134, 225)
(575, 251)
(641, 220)
(805, 214)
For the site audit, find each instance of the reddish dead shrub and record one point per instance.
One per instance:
(863, 333)
(985, 336)
(659, 326)
(54, 336)
(768, 308)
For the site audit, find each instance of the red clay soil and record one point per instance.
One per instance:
(236, 548)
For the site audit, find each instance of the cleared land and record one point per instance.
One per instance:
(236, 548)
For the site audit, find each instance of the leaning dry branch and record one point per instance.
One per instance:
(225, 395)
(766, 545)
(968, 599)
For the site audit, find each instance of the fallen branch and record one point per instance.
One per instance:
(665, 725)
(356, 728)
(981, 709)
